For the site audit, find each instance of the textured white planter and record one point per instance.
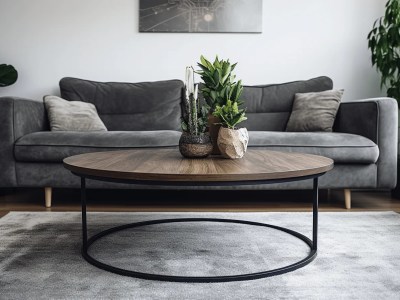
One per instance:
(233, 142)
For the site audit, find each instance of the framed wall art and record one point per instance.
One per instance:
(234, 16)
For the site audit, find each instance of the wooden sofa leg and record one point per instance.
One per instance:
(328, 194)
(347, 198)
(47, 196)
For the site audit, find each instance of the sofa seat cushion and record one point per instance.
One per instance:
(55, 146)
(341, 147)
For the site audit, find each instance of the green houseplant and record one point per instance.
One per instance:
(218, 81)
(232, 141)
(8, 75)
(230, 114)
(384, 43)
(194, 142)
(218, 87)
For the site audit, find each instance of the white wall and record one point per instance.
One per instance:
(99, 40)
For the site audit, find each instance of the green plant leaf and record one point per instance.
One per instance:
(217, 64)
(234, 66)
(213, 95)
(216, 77)
(184, 126)
(204, 61)
(384, 44)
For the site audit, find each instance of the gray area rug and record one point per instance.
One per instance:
(359, 256)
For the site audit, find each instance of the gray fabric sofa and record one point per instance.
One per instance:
(363, 144)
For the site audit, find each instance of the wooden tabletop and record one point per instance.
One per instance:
(169, 165)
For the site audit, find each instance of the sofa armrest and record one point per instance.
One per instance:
(376, 119)
(18, 117)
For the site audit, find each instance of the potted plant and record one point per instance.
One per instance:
(232, 141)
(384, 43)
(195, 142)
(8, 75)
(218, 86)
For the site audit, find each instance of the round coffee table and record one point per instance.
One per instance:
(168, 167)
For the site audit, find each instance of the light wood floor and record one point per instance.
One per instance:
(230, 201)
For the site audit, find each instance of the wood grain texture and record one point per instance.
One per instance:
(169, 165)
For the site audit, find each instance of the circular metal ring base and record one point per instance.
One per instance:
(310, 257)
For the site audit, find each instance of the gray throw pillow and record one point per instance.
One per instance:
(314, 111)
(72, 115)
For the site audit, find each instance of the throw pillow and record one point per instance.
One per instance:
(314, 111)
(72, 115)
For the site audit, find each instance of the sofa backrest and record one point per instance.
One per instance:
(269, 106)
(130, 106)
(157, 105)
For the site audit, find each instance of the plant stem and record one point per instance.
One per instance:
(193, 105)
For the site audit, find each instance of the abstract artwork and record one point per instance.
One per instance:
(200, 16)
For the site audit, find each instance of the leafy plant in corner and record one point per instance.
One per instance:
(219, 82)
(384, 43)
(194, 121)
(230, 114)
(8, 75)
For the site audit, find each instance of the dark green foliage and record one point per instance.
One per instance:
(8, 75)
(384, 43)
(219, 82)
(195, 122)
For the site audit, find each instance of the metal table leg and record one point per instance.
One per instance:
(312, 244)
(315, 214)
(84, 221)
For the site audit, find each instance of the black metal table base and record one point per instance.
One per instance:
(309, 258)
